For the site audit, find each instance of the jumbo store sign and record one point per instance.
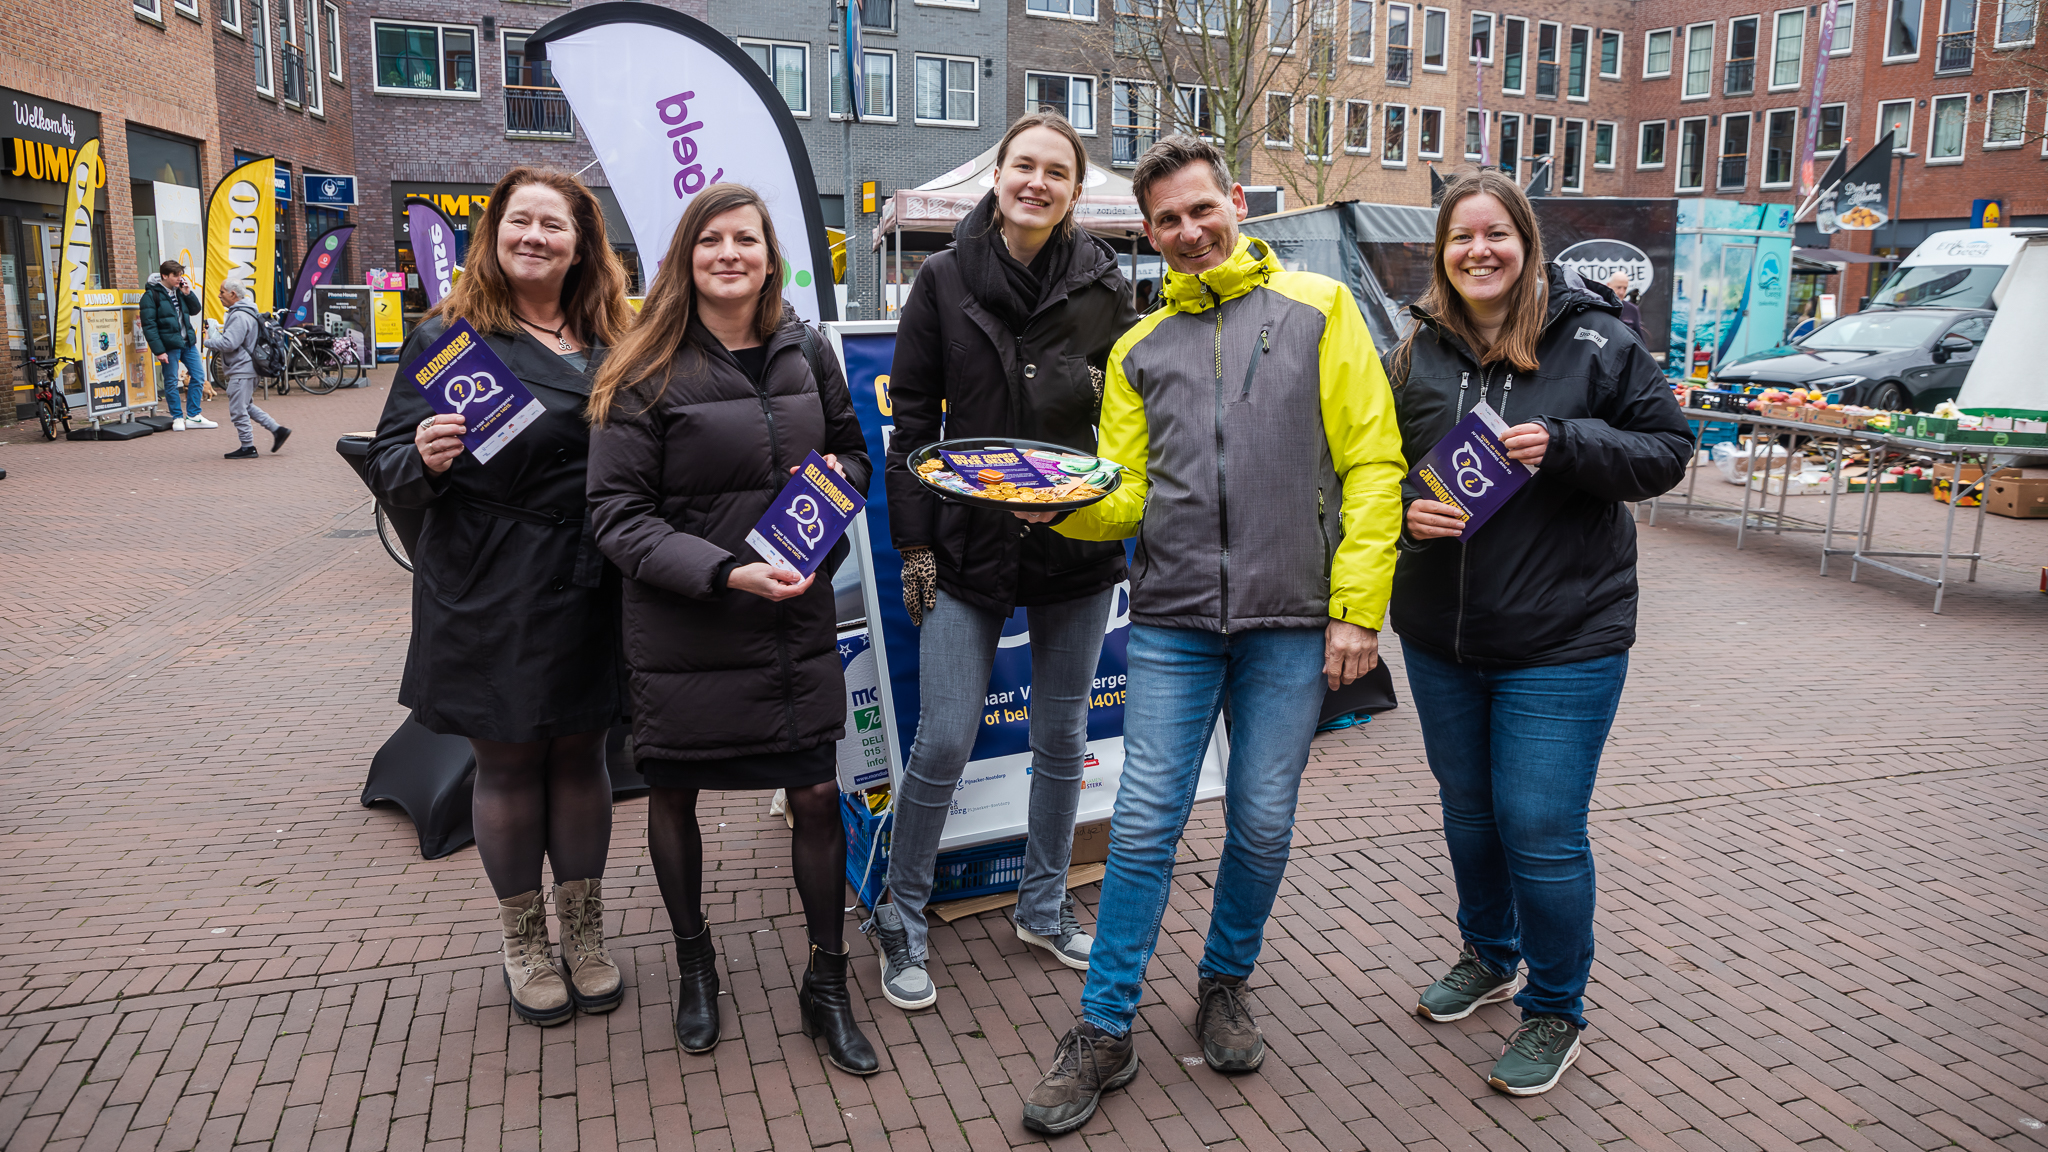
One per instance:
(41, 138)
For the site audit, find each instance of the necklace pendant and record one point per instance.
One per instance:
(562, 342)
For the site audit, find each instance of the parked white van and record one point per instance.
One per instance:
(1959, 269)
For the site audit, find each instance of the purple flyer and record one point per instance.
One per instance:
(1470, 469)
(808, 517)
(1008, 462)
(459, 373)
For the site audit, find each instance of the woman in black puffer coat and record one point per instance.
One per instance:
(699, 418)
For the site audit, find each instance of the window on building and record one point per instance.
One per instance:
(1740, 77)
(1510, 158)
(1436, 26)
(1358, 126)
(1394, 135)
(1193, 109)
(1280, 24)
(534, 104)
(1610, 55)
(337, 46)
(231, 15)
(1475, 135)
(1398, 46)
(1692, 154)
(418, 58)
(1575, 72)
(152, 9)
(1574, 156)
(1280, 119)
(1546, 59)
(1781, 146)
(1827, 139)
(1734, 170)
(1481, 45)
(1133, 119)
(2005, 124)
(1650, 144)
(948, 90)
(1513, 31)
(1657, 53)
(1539, 138)
(1902, 29)
(878, 84)
(1945, 128)
(1075, 9)
(1318, 142)
(259, 45)
(1201, 15)
(2016, 19)
(1429, 133)
(879, 14)
(1844, 40)
(1603, 144)
(1133, 31)
(1359, 46)
(786, 65)
(1070, 96)
(1699, 61)
(316, 83)
(1896, 117)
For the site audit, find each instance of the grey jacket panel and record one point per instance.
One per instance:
(236, 341)
(1239, 467)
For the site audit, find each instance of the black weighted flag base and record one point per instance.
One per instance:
(160, 423)
(125, 430)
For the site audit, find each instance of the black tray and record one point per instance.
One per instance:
(983, 443)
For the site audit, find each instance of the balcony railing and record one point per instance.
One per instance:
(1955, 51)
(1738, 78)
(1734, 172)
(293, 74)
(1398, 60)
(1546, 80)
(534, 111)
(1126, 143)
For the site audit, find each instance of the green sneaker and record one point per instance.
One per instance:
(1536, 1056)
(1470, 983)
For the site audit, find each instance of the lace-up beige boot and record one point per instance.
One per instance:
(538, 993)
(594, 982)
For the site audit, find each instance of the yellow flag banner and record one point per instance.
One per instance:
(241, 236)
(75, 273)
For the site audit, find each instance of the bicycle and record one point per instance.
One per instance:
(332, 359)
(52, 410)
(387, 535)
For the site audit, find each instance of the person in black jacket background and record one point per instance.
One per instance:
(1006, 333)
(1516, 640)
(169, 306)
(514, 616)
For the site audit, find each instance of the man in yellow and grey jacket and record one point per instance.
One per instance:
(1263, 483)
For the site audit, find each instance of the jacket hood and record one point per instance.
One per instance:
(1251, 264)
(156, 280)
(1093, 258)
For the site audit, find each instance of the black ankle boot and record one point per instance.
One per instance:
(697, 992)
(827, 1009)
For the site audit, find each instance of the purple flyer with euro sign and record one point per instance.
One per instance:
(808, 517)
(1470, 469)
(461, 375)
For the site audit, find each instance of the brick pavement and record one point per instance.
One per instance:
(1820, 833)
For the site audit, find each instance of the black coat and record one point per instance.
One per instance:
(166, 317)
(1551, 578)
(951, 350)
(676, 483)
(514, 616)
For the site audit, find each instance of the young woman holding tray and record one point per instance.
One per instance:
(1005, 334)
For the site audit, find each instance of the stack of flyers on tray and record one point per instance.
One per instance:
(1470, 469)
(808, 517)
(975, 473)
(459, 373)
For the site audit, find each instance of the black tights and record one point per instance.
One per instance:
(541, 797)
(817, 854)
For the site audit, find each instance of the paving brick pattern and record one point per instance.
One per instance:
(1820, 833)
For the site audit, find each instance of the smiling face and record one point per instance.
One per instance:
(729, 261)
(1037, 182)
(1483, 254)
(1191, 220)
(537, 237)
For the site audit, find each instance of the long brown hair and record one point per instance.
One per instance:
(1528, 298)
(594, 291)
(1059, 124)
(652, 344)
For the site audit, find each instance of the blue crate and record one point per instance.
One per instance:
(1718, 432)
(967, 872)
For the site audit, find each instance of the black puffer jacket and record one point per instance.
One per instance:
(675, 487)
(993, 382)
(1551, 579)
(166, 316)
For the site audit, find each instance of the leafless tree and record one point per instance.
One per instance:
(2012, 73)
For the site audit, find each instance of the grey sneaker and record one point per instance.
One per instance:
(1231, 1041)
(1470, 984)
(1069, 945)
(1536, 1056)
(1089, 1062)
(904, 981)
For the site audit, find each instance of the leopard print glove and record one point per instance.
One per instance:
(920, 583)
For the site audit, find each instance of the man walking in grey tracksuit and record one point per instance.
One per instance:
(236, 343)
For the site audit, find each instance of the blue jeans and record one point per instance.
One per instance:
(1180, 678)
(956, 651)
(195, 371)
(1515, 752)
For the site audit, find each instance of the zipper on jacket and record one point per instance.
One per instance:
(1506, 387)
(1323, 527)
(1222, 492)
(1251, 367)
(781, 635)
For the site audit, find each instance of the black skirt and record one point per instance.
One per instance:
(761, 772)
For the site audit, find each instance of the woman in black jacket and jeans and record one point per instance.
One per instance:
(1516, 640)
(1005, 334)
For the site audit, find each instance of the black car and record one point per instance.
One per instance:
(1893, 358)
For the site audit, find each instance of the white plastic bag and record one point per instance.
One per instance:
(1734, 461)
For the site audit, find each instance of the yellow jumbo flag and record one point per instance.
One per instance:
(241, 236)
(74, 275)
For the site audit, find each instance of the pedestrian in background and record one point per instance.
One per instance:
(235, 343)
(1516, 639)
(514, 615)
(1006, 333)
(1630, 314)
(169, 307)
(716, 396)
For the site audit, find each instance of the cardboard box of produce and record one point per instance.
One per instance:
(2020, 493)
(1943, 473)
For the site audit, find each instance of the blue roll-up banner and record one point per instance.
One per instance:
(993, 798)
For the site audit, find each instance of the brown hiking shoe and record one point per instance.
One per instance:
(1088, 1063)
(1231, 1042)
(538, 993)
(594, 982)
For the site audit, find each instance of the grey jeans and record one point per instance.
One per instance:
(956, 650)
(242, 406)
